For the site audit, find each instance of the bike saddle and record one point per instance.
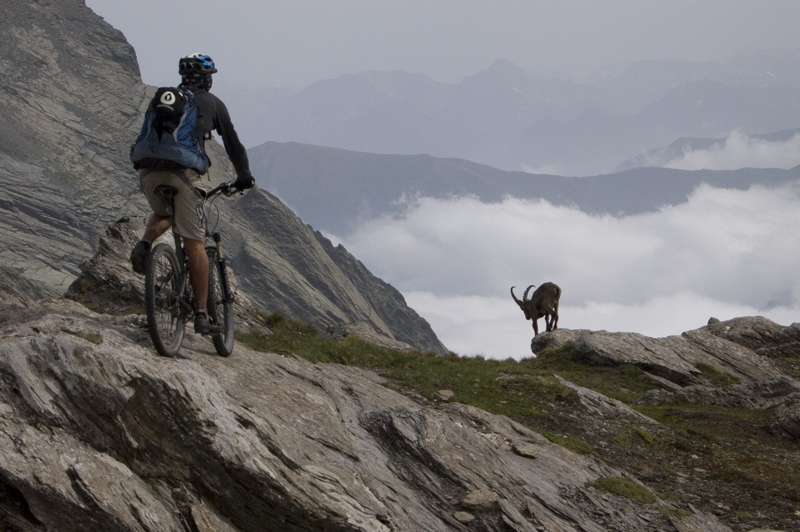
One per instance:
(166, 191)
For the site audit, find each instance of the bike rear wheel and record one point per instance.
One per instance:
(166, 316)
(220, 305)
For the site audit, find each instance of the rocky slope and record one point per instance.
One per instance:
(106, 282)
(68, 103)
(749, 354)
(71, 102)
(99, 433)
(726, 397)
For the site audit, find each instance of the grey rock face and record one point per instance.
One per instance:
(761, 335)
(678, 359)
(99, 433)
(68, 102)
(71, 103)
(741, 350)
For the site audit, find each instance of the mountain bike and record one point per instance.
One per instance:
(168, 294)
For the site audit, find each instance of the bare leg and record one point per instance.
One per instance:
(198, 270)
(156, 226)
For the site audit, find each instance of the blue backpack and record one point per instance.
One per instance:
(167, 140)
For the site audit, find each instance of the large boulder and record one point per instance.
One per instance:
(682, 360)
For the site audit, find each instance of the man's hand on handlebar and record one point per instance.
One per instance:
(243, 183)
(237, 185)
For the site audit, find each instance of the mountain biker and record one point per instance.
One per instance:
(195, 71)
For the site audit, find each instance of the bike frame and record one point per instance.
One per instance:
(180, 251)
(221, 308)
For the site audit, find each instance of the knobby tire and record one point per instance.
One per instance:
(220, 306)
(166, 317)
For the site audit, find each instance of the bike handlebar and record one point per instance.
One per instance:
(227, 189)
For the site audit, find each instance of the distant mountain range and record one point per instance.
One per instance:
(512, 119)
(335, 190)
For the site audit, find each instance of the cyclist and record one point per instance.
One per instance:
(195, 71)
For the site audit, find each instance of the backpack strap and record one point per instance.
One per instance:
(186, 181)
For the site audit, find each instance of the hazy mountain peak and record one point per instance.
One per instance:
(501, 72)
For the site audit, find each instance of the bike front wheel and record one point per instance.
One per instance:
(220, 305)
(163, 289)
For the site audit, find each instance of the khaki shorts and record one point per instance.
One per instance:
(189, 217)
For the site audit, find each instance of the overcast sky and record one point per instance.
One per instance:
(292, 43)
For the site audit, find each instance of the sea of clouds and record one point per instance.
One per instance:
(740, 150)
(724, 253)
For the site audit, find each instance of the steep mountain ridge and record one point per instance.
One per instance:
(71, 104)
(67, 111)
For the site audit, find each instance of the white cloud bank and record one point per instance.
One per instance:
(724, 253)
(740, 150)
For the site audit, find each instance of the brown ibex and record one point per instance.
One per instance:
(543, 303)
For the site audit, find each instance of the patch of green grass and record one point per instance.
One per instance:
(271, 319)
(718, 378)
(645, 434)
(625, 488)
(624, 382)
(669, 493)
(576, 445)
(690, 418)
(520, 390)
(632, 434)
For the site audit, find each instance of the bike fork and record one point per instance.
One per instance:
(223, 272)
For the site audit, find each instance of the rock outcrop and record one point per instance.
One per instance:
(71, 103)
(676, 359)
(740, 352)
(99, 433)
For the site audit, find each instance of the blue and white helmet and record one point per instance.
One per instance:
(196, 64)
